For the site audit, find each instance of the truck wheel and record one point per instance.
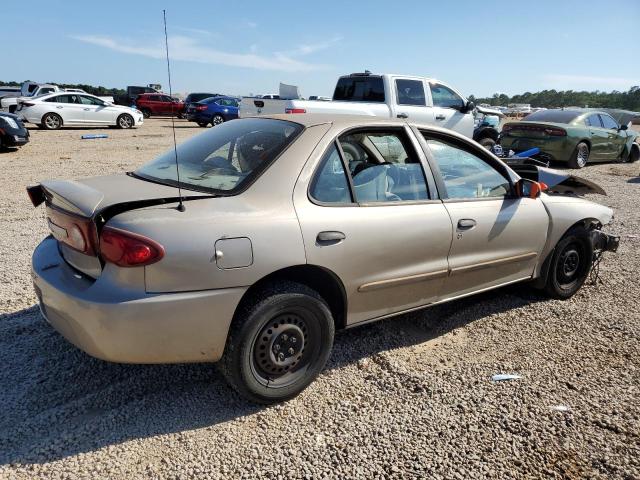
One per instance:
(487, 143)
(278, 343)
(52, 121)
(570, 264)
(217, 120)
(125, 121)
(580, 156)
(146, 113)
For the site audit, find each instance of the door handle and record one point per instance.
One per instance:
(402, 115)
(86, 109)
(59, 107)
(329, 238)
(440, 117)
(466, 223)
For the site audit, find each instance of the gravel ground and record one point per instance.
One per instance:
(404, 398)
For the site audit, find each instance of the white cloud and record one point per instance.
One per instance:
(584, 82)
(251, 24)
(191, 50)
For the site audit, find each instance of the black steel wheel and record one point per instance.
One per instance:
(278, 343)
(570, 264)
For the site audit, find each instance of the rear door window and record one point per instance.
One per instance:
(594, 121)
(330, 185)
(410, 92)
(360, 89)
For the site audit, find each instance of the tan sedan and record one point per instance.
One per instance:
(288, 228)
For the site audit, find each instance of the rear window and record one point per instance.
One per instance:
(555, 116)
(360, 89)
(196, 97)
(224, 159)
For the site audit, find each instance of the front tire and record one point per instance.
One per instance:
(52, 121)
(580, 156)
(278, 343)
(217, 120)
(487, 142)
(125, 121)
(570, 264)
(146, 113)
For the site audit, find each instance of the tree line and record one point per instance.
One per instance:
(629, 100)
(99, 91)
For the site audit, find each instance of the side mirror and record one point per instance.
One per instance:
(623, 127)
(468, 107)
(529, 189)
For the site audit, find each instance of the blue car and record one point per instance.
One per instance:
(213, 110)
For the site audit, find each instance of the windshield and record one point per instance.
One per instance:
(555, 116)
(225, 158)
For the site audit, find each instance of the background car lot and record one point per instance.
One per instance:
(408, 397)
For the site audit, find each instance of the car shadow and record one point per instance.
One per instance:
(4, 150)
(634, 180)
(57, 401)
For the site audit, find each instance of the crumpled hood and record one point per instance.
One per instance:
(558, 181)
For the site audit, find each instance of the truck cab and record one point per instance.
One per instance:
(417, 99)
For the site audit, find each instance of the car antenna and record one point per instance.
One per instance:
(181, 207)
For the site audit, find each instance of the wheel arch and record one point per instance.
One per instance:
(588, 223)
(320, 279)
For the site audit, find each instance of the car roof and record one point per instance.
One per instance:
(349, 121)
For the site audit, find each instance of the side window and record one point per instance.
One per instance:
(608, 122)
(410, 92)
(58, 99)
(330, 184)
(89, 100)
(383, 167)
(154, 98)
(465, 175)
(445, 97)
(594, 121)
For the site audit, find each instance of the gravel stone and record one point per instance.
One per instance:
(409, 397)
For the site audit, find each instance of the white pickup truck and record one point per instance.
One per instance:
(398, 96)
(9, 103)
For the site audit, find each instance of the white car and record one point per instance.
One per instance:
(54, 110)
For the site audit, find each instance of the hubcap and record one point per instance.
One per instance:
(279, 347)
(125, 122)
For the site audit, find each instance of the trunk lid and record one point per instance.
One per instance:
(77, 210)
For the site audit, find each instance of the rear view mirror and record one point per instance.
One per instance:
(468, 107)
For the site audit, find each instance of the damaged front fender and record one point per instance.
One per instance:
(558, 181)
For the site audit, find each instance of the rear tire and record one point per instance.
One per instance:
(125, 121)
(278, 343)
(217, 120)
(203, 124)
(580, 156)
(51, 121)
(570, 264)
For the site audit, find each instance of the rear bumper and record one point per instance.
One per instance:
(198, 117)
(127, 325)
(556, 149)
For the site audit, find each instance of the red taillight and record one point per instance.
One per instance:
(555, 132)
(295, 110)
(200, 108)
(127, 249)
(77, 232)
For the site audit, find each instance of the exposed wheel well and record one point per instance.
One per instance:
(323, 281)
(634, 150)
(587, 141)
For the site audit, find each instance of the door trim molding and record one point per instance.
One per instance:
(493, 263)
(398, 281)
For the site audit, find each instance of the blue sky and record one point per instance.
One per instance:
(246, 47)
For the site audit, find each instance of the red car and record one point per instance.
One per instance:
(159, 104)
